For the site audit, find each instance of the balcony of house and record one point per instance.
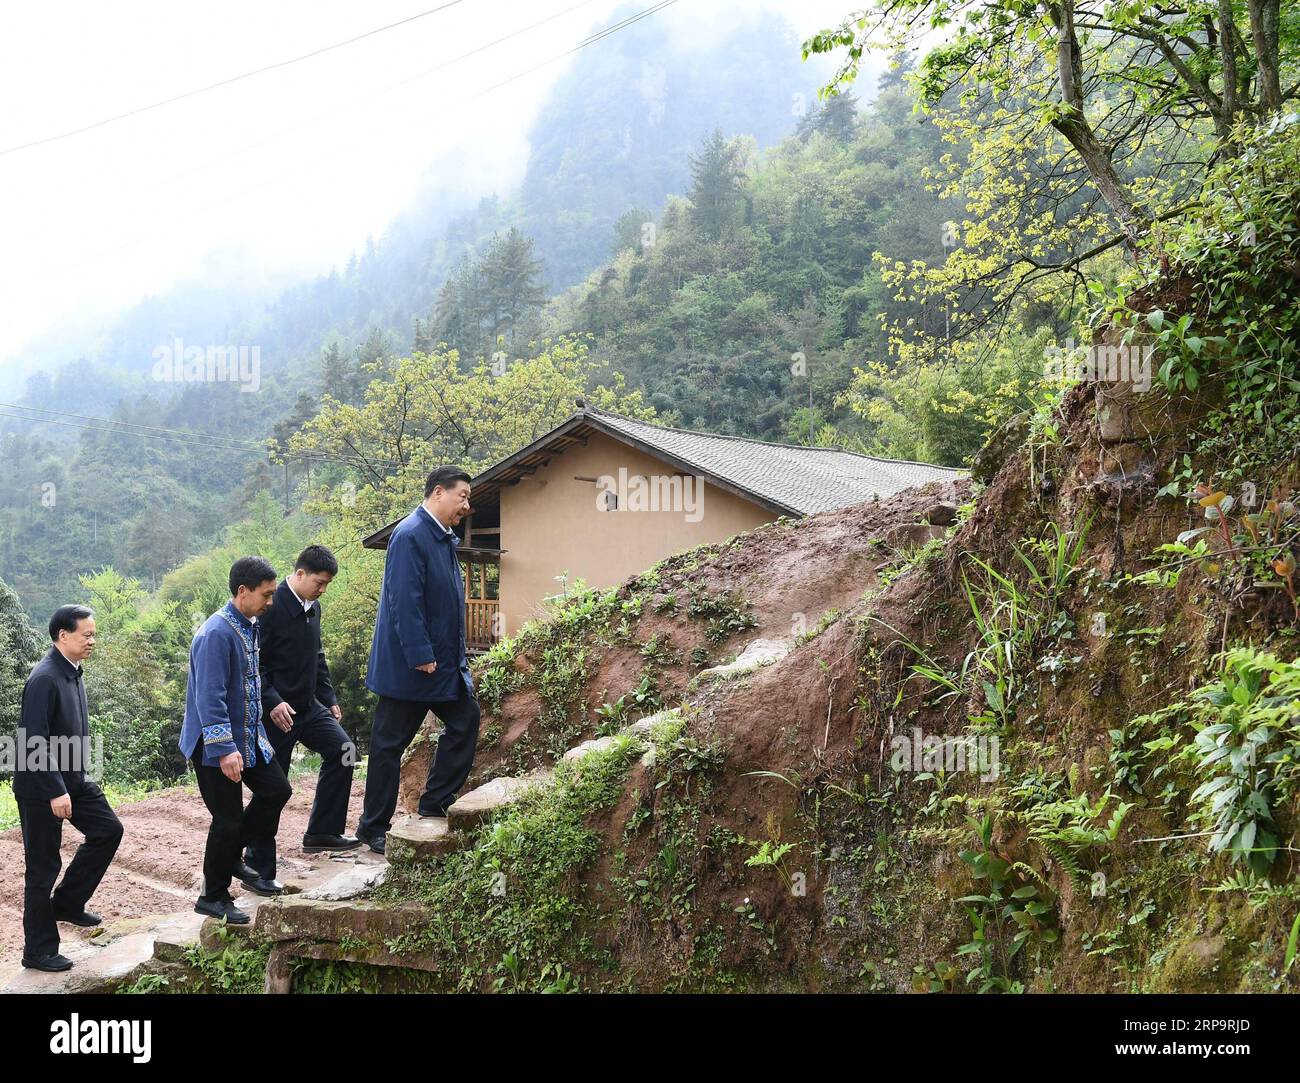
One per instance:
(481, 569)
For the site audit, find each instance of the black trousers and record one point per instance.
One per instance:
(42, 837)
(233, 824)
(318, 731)
(397, 721)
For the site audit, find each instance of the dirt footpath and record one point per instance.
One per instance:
(159, 864)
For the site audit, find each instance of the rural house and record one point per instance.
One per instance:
(602, 497)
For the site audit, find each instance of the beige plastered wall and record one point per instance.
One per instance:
(550, 524)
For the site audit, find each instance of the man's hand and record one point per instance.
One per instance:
(337, 712)
(282, 715)
(428, 667)
(232, 766)
(61, 806)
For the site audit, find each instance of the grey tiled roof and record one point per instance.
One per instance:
(803, 479)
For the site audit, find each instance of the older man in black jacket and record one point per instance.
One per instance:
(50, 786)
(299, 702)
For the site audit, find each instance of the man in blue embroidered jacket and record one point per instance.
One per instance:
(223, 735)
(417, 658)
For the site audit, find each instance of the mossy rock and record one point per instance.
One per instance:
(1195, 966)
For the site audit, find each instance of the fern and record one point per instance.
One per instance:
(1063, 857)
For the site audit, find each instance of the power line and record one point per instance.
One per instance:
(224, 82)
(610, 30)
(211, 437)
(474, 52)
(86, 426)
(135, 424)
(194, 438)
(591, 39)
(217, 443)
(335, 107)
(110, 426)
(203, 440)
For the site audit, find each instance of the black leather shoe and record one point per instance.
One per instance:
(433, 814)
(244, 871)
(50, 963)
(222, 908)
(260, 885)
(84, 918)
(375, 842)
(319, 844)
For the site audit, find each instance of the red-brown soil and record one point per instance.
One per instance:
(158, 866)
(791, 574)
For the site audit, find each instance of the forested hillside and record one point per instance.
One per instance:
(1060, 246)
(616, 132)
(762, 290)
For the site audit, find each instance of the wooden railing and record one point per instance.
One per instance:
(480, 623)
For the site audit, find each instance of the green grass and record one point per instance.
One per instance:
(117, 797)
(237, 965)
(8, 807)
(512, 912)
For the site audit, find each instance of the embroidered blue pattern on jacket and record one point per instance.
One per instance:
(252, 695)
(220, 734)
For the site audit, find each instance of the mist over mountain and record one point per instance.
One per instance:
(616, 133)
(1025, 724)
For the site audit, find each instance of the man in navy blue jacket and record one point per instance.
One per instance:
(417, 658)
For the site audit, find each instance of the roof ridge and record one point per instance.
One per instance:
(588, 409)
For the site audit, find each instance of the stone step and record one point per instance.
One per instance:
(347, 930)
(113, 965)
(215, 936)
(944, 513)
(416, 839)
(474, 807)
(578, 752)
(95, 969)
(640, 729)
(350, 883)
(298, 918)
(642, 726)
(912, 535)
(179, 933)
(104, 961)
(761, 652)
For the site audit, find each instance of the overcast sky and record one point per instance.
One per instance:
(287, 172)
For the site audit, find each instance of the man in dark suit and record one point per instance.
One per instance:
(417, 658)
(50, 786)
(298, 698)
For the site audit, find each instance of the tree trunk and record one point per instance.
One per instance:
(1264, 19)
(1074, 126)
(1228, 53)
